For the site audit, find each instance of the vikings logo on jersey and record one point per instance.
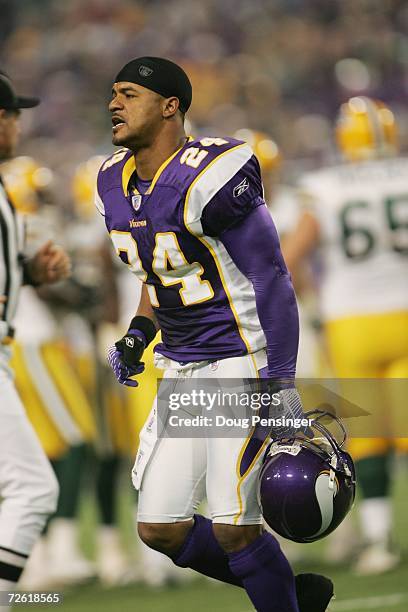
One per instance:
(168, 236)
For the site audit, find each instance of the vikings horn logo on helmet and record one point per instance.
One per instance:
(307, 487)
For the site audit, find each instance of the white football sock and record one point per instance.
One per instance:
(375, 517)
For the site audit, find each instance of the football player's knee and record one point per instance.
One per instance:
(43, 497)
(47, 493)
(166, 538)
(235, 537)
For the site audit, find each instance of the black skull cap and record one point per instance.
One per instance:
(160, 75)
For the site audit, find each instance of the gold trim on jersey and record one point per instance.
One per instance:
(130, 167)
(127, 171)
(209, 247)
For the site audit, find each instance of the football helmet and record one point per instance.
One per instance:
(307, 486)
(84, 185)
(27, 183)
(366, 129)
(266, 150)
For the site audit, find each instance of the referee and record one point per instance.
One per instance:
(28, 487)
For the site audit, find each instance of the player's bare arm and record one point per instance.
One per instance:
(297, 245)
(145, 307)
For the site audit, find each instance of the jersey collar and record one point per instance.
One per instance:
(130, 167)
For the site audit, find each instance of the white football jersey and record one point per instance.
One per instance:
(285, 209)
(362, 209)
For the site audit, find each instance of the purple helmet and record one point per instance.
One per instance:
(307, 487)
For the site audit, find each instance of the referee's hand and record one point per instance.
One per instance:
(50, 264)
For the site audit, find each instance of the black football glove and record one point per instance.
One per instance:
(124, 357)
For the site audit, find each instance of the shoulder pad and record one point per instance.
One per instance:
(200, 155)
(111, 172)
(213, 176)
(200, 152)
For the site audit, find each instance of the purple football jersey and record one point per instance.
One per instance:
(169, 237)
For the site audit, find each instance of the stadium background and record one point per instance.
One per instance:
(280, 66)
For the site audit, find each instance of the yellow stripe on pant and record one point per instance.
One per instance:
(373, 346)
(70, 388)
(54, 399)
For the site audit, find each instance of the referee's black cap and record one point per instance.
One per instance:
(160, 75)
(9, 100)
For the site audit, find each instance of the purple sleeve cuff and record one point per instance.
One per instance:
(139, 334)
(143, 328)
(254, 247)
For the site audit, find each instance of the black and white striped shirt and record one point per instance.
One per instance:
(11, 270)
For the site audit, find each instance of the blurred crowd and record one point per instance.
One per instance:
(280, 66)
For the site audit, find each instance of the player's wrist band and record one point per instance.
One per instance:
(137, 333)
(145, 326)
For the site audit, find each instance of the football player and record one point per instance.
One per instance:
(121, 411)
(355, 218)
(188, 218)
(58, 408)
(49, 386)
(283, 203)
(28, 487)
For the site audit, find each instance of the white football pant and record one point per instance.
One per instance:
(174, 475)
(28, 487)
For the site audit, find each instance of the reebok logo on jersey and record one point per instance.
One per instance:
(241, 187)
(130, 342)
(145, 71)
